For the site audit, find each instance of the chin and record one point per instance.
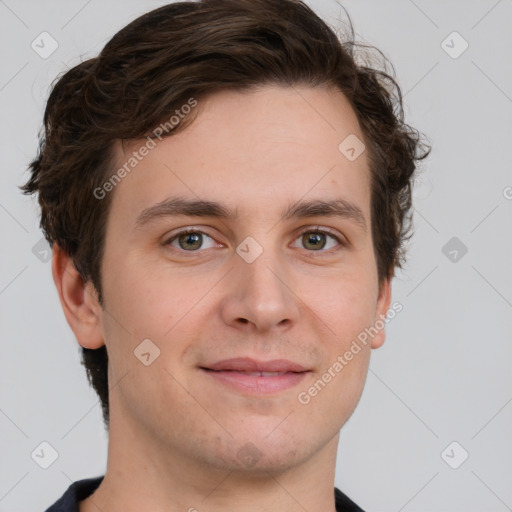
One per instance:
(257, 456)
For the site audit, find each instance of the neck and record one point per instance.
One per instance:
(150, 476)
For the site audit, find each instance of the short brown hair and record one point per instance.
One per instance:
(193, 49)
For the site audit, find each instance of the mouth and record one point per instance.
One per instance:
(256, 377)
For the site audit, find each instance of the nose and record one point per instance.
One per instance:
(260, 296)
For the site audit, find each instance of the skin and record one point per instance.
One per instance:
(175, 431)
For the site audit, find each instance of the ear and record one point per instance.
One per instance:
(383, 301)
(79, 300)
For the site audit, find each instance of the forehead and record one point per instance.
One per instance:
(253, 151)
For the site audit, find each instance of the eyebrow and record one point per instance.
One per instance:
(177, 206)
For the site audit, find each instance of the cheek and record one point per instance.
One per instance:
(347, 305)
(131, 315)
(139, 300)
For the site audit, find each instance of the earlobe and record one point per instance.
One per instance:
(383, 302)
(78, 299)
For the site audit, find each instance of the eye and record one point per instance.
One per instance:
(189, 240)
(315, 239)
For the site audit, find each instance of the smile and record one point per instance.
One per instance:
(256, 383)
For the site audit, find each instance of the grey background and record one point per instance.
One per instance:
(443, 374)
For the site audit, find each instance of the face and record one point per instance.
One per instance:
(251, 307)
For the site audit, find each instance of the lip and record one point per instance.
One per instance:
(250, 376)
(246, 364)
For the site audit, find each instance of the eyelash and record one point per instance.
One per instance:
(317, 229)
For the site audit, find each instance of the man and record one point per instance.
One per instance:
(226, 193)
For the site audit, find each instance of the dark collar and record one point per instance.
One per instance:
(81, 489)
